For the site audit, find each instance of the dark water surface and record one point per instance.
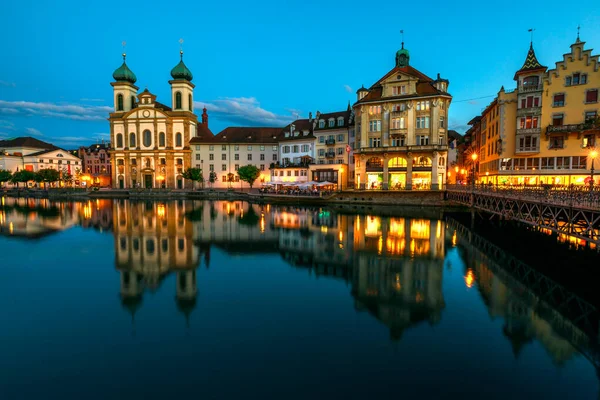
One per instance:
(191, 299)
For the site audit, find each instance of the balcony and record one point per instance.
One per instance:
(330, 154)
(572, 128)
(530, 88)
(385, 149)
(529, 111)
(529, 131)
(330, 142)
(399, 131)
(527, 149)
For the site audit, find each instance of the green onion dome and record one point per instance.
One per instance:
(123, 73)
(181, 71)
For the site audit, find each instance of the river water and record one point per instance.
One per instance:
(117, 299)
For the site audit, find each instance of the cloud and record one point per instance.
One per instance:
(348, 89)
(4, 124)
(33, 131)
(458, 126)
(8, 84)
(53, 110)
(244, 110)
(93, 100)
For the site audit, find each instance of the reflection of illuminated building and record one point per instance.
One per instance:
(33, 218)
(398, 265)
(151, 240)
(96, 214)
(321, 240)
(235, 226)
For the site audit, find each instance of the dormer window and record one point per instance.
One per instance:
(321, 124)
(340, 121)
(331, 123)
(398, 90)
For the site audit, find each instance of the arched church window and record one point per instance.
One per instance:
(119, 140)
(161, 139)
(132, 102)
(178, 101)
(119, 102)
(132, 139)
(147, 138)
(190, 104)
(178, 139)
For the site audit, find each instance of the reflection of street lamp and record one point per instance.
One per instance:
(161, 210)
(474, 158)
(593, 155)
(160, 180)
(341, 179)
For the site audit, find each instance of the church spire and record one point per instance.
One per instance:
(402, 55)
(531, 62)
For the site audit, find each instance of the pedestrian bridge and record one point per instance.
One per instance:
(569, 211)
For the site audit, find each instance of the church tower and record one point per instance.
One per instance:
(182, 88)
(124, 90)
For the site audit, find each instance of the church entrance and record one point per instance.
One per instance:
(148, 181)
(121, 183)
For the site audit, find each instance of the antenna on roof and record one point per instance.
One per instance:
(578, 28)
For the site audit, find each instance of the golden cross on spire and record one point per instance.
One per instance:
(181, 48)
(123, 43)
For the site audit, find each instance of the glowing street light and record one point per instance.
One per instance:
(160, 180)
(474, 158)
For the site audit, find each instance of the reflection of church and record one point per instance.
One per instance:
(398, 269)
(152, 240)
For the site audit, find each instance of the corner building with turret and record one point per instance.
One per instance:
(150, 139)
(401, 130)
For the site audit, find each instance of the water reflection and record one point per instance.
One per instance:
(394, 267)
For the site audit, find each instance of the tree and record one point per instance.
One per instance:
(193, 174)
(22, 176)
(249, 174)
(5, 176)
(65, 176)
(212, 178)
(230, 179)
(48, 175)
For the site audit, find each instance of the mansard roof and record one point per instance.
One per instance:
(26, 141)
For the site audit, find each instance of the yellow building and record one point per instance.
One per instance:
(545, 131)
(401, 130)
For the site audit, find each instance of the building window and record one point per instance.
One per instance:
(236, 157)
(262, 157)
(374, 142)
(321, 124)
(304, 148)
(568, 81)
(262, 167)
(528, 122)
(211, 147)
(190, 103)
(321, 152)
(249, 157)
(588, 141)
(559, 100)
(397, 141)
(249, 148)
(223, 167)
(575, 80)
(295, 148)
(197, 157)
(422, 122)
(161, 140)
(375, 110)
(591, 96)
(422, 105)
(557, 119)
(590, 116)
(528, 143)
(211, 167)
(422, 140)
(178, 139)
(147, 138)
(340, 151)
(211, 157)
(375, 126)
(442, 122)
(119, 140)
(132, 139)
(119, 102)
(274, 157)
(223, 157)
(557, 142)
(286, 149)
(398, 90)
(262, 148)
(340, 121)
(178, 100)
(237, 166)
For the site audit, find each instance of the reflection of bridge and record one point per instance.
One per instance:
(569, 212)
(572, 317)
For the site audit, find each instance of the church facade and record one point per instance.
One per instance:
(150, 140)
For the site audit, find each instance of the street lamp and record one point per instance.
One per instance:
(160, 180)
(474, 158)
(593, 155)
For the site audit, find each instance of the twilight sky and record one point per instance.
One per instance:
(258, 63)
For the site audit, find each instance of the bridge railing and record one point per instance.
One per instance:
(571, 196)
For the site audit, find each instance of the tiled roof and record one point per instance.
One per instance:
(424, 86)
(239, 135)
(531, 63)
(26, 141)
(300, 126)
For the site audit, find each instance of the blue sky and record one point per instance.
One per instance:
(258, 63)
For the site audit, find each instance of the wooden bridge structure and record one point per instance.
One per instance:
(568, 211)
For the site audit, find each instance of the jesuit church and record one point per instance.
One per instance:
(151, 139)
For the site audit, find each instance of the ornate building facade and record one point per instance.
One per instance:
(401, 128)
(97, 169)
(150, 139)
(547, 129)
